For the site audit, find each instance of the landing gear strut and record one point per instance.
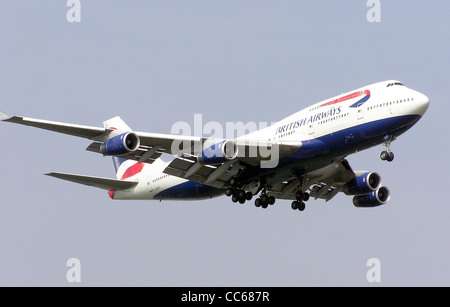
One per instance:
(387, 155)
(299, 203)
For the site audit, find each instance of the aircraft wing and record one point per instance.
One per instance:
(152, 145)
(71, 129)
(253, 153)
(323, 183)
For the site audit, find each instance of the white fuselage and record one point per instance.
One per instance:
(371, 106)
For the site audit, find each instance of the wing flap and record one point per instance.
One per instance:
(142, 154)
(97, 182)
(205, 174)
(172, 144)
(324, 183)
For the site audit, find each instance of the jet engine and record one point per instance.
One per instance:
(363, 184)
(120, 144)
(218, 153)
(373, 199)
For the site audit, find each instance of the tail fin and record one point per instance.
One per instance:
(124, 168)
(117, 161)
(116, 123)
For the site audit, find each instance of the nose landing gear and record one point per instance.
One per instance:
(387, 155)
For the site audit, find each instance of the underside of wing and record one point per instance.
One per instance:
(324, 183)
(142, 154)
(244, 154)
(191, 169)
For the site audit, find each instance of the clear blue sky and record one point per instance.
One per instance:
(158, 62)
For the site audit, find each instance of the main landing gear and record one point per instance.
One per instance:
(264, 200)
(387, 155)
(299, 204)
(237, 193)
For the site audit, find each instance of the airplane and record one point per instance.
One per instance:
(304, 155)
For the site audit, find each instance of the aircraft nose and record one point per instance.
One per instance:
(422, 103)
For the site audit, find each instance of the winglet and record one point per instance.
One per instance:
(4, 116)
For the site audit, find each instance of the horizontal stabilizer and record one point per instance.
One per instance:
(4, 116)
(101, 183)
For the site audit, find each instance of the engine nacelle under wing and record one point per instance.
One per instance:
(120, 145)
(373, 199)
(218, 153)
(363, 184)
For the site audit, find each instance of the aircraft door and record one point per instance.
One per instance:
(360, 113)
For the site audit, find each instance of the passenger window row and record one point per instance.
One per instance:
(385, 104)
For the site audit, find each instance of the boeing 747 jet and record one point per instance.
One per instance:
(301, 156)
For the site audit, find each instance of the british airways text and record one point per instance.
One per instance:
(307, 120)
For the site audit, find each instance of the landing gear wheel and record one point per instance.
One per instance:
(387, 155)
(229, 192)
(264, 199)
(234, 199)
(294, 205)
(241, 200)
(271, 200)
(299, 195)
(258, 202)
(241, 194)
(305, 196)
(301, 206)
(248, 195)
(390, 157)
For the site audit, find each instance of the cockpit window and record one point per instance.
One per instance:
(395, 83)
